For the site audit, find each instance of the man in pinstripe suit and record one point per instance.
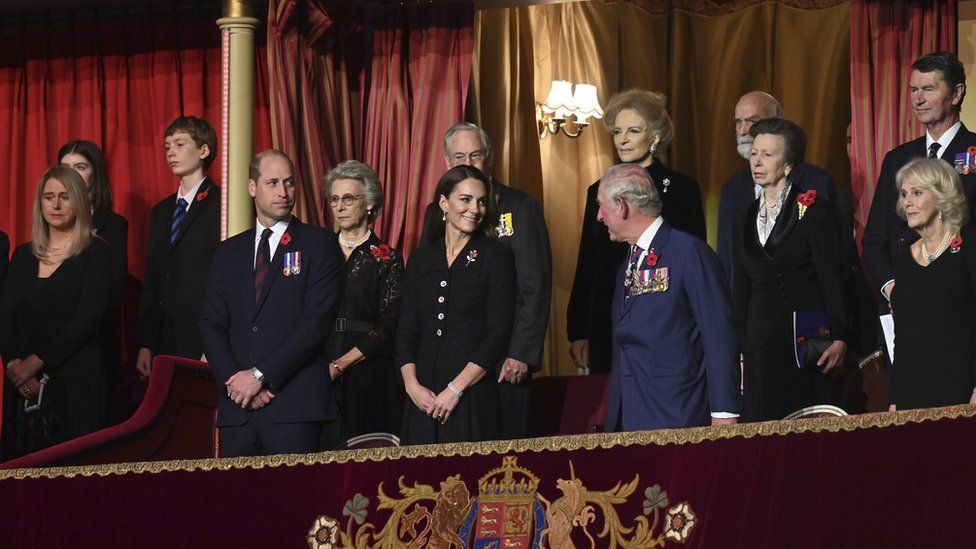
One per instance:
(675, 351)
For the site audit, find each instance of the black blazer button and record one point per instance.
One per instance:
(254, 329)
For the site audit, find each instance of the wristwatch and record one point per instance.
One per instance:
(257, 374)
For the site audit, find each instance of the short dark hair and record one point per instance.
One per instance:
(794, 138)
(254, 168)
(949, 68)
(101, 191)
(200, 131)
(450, 179)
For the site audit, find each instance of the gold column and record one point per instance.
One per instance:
(237, 28)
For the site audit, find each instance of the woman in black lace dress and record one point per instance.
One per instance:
(361, 346)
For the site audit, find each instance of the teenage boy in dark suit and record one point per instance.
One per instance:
(183, 232)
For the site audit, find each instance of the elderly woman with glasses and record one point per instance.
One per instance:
(361, 346)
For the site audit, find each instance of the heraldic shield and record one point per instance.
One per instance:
(507, 513)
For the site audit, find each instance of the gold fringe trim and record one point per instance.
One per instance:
(660, 437)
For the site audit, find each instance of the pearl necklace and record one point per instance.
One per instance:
(353, 245)
(938, 251)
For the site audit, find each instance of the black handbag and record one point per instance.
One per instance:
(813, 349)
(811, 331)
(38, 424)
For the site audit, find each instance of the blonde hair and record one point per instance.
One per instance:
(648, 105)
(78, 195)
(941, 179)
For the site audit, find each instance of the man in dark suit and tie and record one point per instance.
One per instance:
(937, 87)
(675, 353)
(184, 229)
(521, 227)
(271, 303)
(740, 190)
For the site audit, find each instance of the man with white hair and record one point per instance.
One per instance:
(740, 190)
(675, 352)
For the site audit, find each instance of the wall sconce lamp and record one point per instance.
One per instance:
(553, 115)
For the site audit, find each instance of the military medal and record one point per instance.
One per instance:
(661, 280)
(293, 263)
(505, 226)
(965, 162)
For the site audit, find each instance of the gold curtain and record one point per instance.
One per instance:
(702, 54)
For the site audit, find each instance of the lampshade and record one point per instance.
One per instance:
(560, 101)
(586, 103)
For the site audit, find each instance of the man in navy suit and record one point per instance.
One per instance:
(675, 351)
(271, 303)
(937, 86)
(740, 190)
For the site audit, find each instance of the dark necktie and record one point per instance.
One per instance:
(178, 214)
(934, 149)
(261, 264)
(632, 267)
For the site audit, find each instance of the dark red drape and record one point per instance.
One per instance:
(381, 87)
(117, 82)
(886, 38)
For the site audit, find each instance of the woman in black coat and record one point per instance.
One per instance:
(56, 291)
(87, 159)
(457, 312)
(640, 125)
(360, 347)
(787, 262)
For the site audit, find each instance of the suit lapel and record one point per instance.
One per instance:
(200, 201)
(784, 223)
(962, 141)
(285, 245)
(750, 236)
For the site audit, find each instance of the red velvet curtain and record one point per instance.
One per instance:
(886, 37)
(117, 82)
(334, 101)
(315, 92)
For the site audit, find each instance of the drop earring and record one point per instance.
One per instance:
(444, 217)
(653, 148)
(788, 170)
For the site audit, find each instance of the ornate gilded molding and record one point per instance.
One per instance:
(574, 442)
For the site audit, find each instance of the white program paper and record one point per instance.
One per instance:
(888, 327)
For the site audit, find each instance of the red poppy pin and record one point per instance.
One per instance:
(202, 196)
(651, 258)
(805, 200)
(381, 252)
(955, 244)
(971, 150)
(800, 340)
(286, 239)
